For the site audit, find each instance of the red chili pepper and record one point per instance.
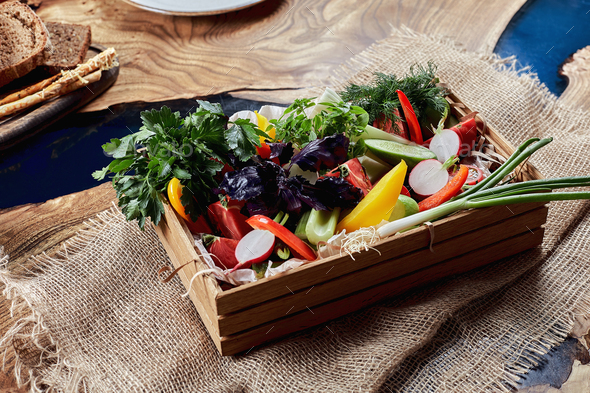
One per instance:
(223, 249)
(413, 125)
(353, 172)
(401, 128)
(452, 188)
(296, 245)
(226, 215)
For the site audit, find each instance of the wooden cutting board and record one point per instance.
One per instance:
(23, 125)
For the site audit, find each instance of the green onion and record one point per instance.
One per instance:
(486, 193)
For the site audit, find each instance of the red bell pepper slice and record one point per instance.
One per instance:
(452, 188)
(226, 215)
(353, 172)
(411, 119)
(264, 152)
(297, 246)
(405, 192)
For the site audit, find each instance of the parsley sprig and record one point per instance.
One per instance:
(335, 118)
(192, 149)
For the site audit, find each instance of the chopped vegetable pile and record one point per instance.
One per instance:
(265, 191)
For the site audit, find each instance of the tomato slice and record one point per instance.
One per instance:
(401, 129)
(474, 176)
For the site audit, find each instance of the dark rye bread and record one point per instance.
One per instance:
(69, 46)
(23, 39)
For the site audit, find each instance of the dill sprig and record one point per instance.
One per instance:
(380, 97)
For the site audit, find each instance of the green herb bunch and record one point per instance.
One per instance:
(380, 98)
(193, 149)
(334, 118)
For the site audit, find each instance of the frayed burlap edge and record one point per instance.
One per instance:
(31, 329)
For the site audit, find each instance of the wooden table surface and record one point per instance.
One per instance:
(267, 52)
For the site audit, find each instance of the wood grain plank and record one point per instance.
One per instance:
(34, 228)
(577, 70)
(275, 45)
(304, 319)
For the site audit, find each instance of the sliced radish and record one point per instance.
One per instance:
(429, 177)
(445, 144)
(255, 247)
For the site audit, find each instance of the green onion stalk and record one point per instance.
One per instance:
(487, 193)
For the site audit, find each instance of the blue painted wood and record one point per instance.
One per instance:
(543, 34)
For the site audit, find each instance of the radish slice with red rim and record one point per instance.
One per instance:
(428, 177)
(254, 247)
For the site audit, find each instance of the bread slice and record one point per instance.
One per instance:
(23, 39)
(69, 46)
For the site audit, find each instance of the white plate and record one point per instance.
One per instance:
(192, 7)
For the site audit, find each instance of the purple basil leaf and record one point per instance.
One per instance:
(284, 151)
(264, 204)
(337, 192)
(243, 184)
(325, 153)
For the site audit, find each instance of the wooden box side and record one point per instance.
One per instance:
(179, 244)
(316, 272)
(386, 270)
(245, 341)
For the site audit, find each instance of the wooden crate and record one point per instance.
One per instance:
(240, 318)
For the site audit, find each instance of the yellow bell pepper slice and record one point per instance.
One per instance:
(263, 123)
(378, 203)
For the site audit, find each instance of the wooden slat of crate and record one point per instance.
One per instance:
(386, 270)
(316, 272)
(245, 341)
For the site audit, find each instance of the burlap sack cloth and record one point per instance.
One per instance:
(101, 321)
